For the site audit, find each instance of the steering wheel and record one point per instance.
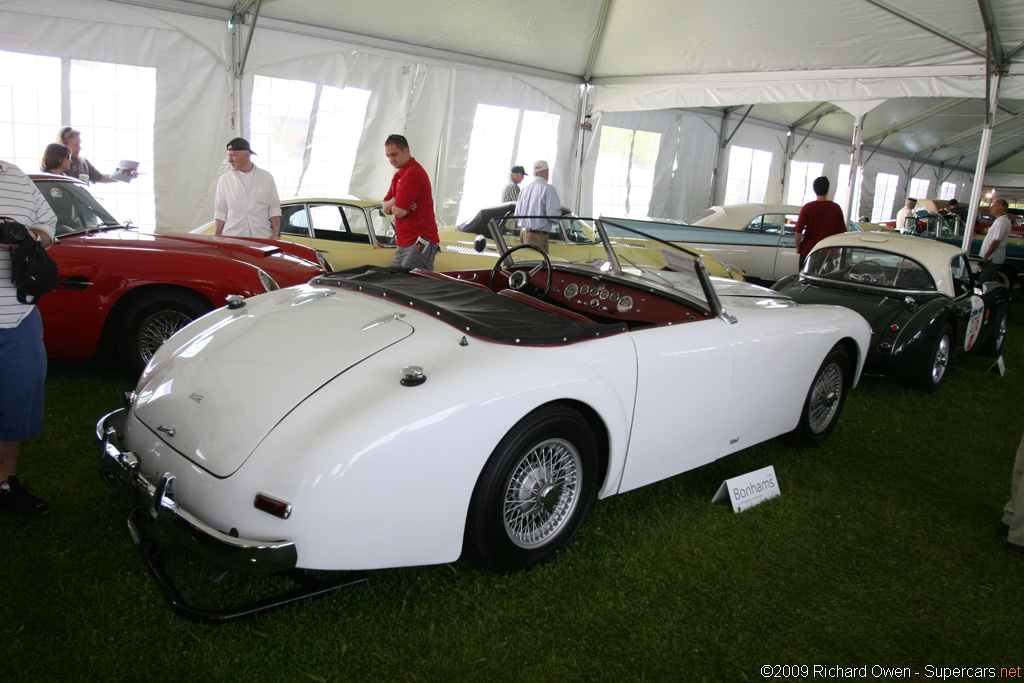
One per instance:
(874, 278)
(519, 278)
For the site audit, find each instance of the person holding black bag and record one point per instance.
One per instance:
(22, 354)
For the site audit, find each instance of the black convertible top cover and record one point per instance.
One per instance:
(469, 308)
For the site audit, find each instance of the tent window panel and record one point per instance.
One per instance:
(842, 189)
(29, 107)
(339, 127)
(885, 194)
(748, 175)
(279, 126)
(538, 139)
(948, 191)
(624, 176)
(919, 188)
(114, 105)
(801, 179)
(490, 146)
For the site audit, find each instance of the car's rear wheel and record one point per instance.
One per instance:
(938, 361)
(534, 491)
(151, 319)
(824, 400)
(995, 341)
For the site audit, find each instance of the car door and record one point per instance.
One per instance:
(787, 261)
(342, 231)
(968, 307)
(684, 381)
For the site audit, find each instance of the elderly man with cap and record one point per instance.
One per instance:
(511, 191)
(539, 208)
(246, 203)
(907, 212)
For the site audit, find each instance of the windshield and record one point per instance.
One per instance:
(77, 210)
(614, 248)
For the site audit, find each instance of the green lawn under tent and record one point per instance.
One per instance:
(881, 551)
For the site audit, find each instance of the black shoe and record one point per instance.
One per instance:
(15, 498)
(1015, 550)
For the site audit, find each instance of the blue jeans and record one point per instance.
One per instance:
(22, 375)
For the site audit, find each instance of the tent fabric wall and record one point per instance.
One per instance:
(192, 114)
(430, 102)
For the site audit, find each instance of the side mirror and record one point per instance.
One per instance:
(480, 243)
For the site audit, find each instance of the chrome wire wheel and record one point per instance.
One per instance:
(542, 493)
(824, 401)
(941, 360)
(158, 328)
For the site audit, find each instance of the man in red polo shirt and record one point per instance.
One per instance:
(410, 201)
(818, 219)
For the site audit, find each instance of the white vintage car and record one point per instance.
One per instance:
(757, 238)
(378, 418)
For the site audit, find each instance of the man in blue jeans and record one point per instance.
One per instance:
(22, 355)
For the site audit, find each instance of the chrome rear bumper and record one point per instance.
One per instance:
(121, 470)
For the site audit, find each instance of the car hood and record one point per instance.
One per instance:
(200, 397)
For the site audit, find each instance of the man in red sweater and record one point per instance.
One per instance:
(818, 219)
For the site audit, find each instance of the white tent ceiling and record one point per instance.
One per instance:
(925, 58)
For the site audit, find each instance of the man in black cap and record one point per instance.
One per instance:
(511, 191)
(957, 209)
(246, 203)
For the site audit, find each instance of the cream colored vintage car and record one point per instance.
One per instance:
(355, 232)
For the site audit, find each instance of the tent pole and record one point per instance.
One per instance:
(853, 182)
(581, 132)
(992, 95)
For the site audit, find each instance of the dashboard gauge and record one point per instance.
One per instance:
(585, 289)
(615, 296)
(571, 291)
(625, 304)
(603, 294)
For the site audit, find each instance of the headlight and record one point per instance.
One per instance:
(324, 263)
(268, 282)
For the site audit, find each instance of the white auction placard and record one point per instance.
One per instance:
(747, 490)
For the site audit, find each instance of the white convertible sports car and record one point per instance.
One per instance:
(381, 418)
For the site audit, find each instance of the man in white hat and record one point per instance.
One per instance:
(906, 218)
(539, 208)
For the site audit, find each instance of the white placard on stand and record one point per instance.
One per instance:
(747, 490)
(999, 365)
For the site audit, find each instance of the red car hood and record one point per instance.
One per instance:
(289, 264)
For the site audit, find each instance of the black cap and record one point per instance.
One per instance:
(518, 169)
(240, 145)
(911, 199)
(953, 202)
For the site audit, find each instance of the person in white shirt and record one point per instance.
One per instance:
(22, 354)
(540, 203)
(246, 203)
(993, 249)
(908, 211)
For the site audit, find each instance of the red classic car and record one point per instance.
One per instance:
(125, 288)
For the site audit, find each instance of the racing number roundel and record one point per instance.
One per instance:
(974, 325)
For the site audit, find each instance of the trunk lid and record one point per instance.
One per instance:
(201, 401)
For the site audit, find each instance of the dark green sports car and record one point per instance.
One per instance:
(921, 298)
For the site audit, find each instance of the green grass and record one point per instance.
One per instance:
(881, 550)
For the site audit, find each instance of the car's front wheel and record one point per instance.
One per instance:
(938, 364)
(534, 491)
(151, 319)
(824, 400)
